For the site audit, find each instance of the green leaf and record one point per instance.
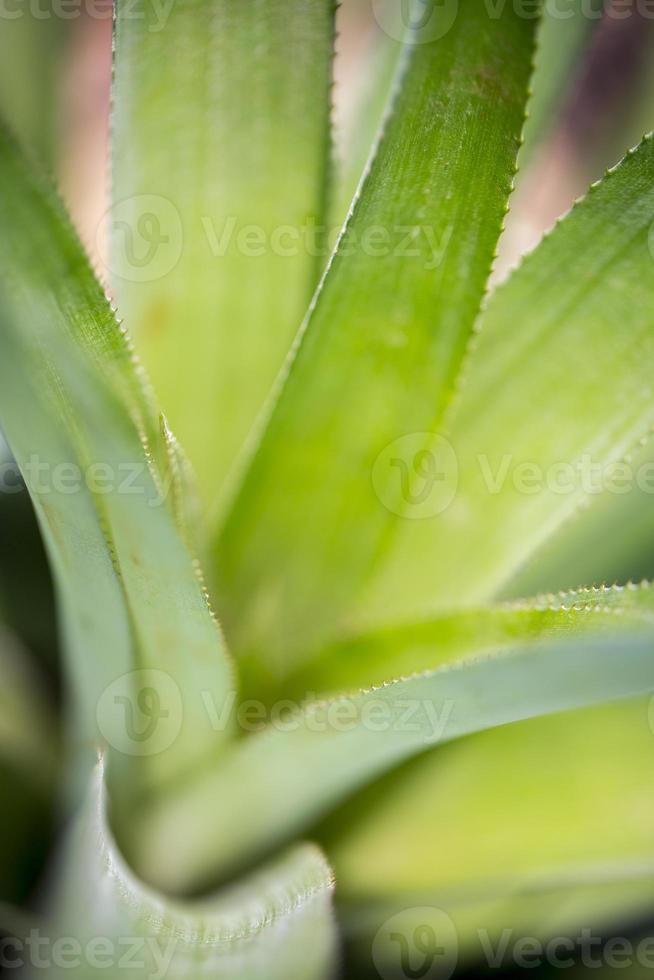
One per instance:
(368, 657)
(554, 397)
(221, 146)
(185, 498)
(307, 761)
(529, 924)
(78, 419)
(383, 341)
(274, 924)
(547, 825)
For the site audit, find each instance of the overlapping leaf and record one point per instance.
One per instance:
(548, 832)
(309, 758)
(79, 422)
(554, 398)
(368, 657)
(220, 163)
(383, 341)
(277, 923)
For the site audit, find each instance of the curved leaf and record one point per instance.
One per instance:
(276, 923)
(307, 761)
(548, 830)
(78, 419)
(368, 657)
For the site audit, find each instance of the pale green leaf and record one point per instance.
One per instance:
(79, 422)
(554, 397)
(307, 761)
(547, 823)
(367, 657)
(220, 159)
(272, 925)
(383, 342)
(179, 476)
(610, 539)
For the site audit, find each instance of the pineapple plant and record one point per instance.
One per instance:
(329, 515)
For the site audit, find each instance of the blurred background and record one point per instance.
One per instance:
(595, 99)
